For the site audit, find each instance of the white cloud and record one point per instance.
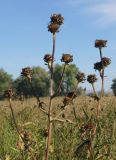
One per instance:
(106, 12)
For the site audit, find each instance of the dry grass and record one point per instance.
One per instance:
(67, 137)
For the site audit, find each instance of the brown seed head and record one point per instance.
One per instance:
(69, 98)
(9, 93)
(72, 95)
(47, 58)
(98, 66)
(87, 127)
(67, 101)
(45, 133)
(80, 77)
(100, 43)
(27, 72)
(57, 18)
(91, 78)
(106, 61)
(53, 27)
(67, 58)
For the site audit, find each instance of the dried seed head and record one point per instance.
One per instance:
(95, 97)
(80, 77)
(87, 127)
(100, 43)
(27, 72)
(72, 95)
(69, 98)
(47, 58)
(67, 101)
(45, 133)
(53, 27)
(67, 58)
(9, 93)
(98, 66)
(91, 78)
(106, 61)
(57, 18)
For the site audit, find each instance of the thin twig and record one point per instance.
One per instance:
(61, 120)
(60, 83)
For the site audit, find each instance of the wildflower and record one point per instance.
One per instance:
(45, 133)
(98, 65)
(71, 95)
(57, 18)
(53, 27)
(106, 61)
(56, 21)
(100, 43)
(80, 77)
(69, 98)
(86, 127)
(27, 72)
(91, 78)
(67, 101)
(9, 93)
(67, 58)
(47, 58)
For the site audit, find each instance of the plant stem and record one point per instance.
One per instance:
(102, 74)
(74, 110)
(50, 103)
(14, 121)
(34, 92)
(98, 103)
(60, 83)
(94, 90)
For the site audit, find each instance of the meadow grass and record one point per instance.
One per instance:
(70, 139)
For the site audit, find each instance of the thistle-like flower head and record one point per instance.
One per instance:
(9, 93)
(100, 43)
(27, 72)
(47, 58)
(56, 21)
(106, 61)
(98, 65)
(69, 98)
(67, 58)
(53, 27)
(92, 78)
(80, 77)
(57, 18)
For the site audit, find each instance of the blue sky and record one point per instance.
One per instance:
(24, 38)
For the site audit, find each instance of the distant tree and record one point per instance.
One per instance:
(40, 83)
(113, 86)
(5, 81)
(69, 80)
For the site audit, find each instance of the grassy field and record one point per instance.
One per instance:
(75, 137)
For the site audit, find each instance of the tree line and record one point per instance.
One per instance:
(40, 81)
